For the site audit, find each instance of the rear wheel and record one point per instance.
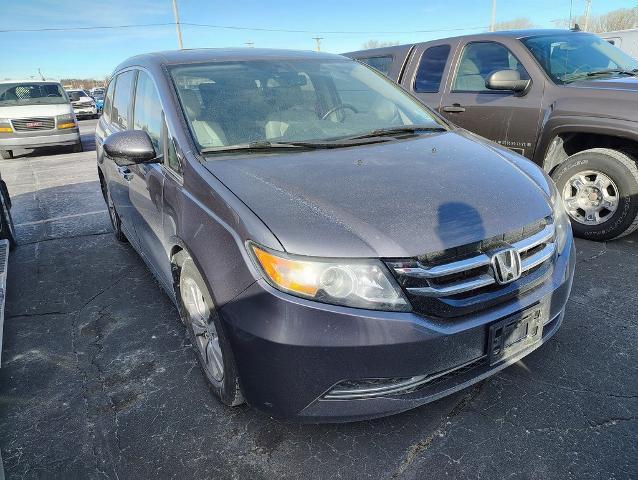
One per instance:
(6, 154)
(600, 192)
(7, 230)
(205, 330)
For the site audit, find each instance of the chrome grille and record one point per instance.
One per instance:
(33, 123)
(452, 277)
(83, 105)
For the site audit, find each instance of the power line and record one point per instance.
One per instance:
(97, 27)
(233, 27)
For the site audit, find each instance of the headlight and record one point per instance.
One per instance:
(562, 223)
(5, 126)
(352, 283)
(66, 121)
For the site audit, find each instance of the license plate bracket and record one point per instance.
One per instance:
(514, 334)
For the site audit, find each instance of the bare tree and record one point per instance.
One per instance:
(377, 44)
(514, 24)
(621, 19)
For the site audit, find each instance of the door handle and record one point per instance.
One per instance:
(126, 173)
(455, 108)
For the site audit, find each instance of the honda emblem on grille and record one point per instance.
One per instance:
(506, 264)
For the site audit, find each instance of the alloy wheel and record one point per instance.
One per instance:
(591, 197)
(203, 327)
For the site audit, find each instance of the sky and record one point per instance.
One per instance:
(344, 25)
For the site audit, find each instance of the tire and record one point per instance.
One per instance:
(77, 148)
(116, 222)
(578, 179)
(6, 154)
(8, 230)
(207, 335)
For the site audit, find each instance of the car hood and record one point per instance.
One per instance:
(24, 111)
(608, 83)
(393, 199)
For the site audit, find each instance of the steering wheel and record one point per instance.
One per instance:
(337, 108)
(52, 95)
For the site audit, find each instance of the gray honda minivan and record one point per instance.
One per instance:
(336, 250)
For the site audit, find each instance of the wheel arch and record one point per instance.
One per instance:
(563, 140)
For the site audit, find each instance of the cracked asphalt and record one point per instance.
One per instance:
(98, 379)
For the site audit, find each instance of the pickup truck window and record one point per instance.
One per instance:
(571, 57)
(430, 72)
(380, 63)
(478, 61)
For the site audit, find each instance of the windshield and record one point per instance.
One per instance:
(571, 56)
(235, 103)
(31, 94)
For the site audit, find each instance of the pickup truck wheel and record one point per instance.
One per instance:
(6, 154)
(207, 335)
(600, 192)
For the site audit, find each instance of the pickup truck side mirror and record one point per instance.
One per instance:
(130, 147)
(507, 80)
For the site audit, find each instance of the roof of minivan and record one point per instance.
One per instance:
(220, 55)
(532, 32)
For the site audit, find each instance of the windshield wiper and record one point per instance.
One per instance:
(613, 70)
(263, 145)
(394, 131)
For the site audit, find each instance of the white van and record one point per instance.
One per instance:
(36, 114)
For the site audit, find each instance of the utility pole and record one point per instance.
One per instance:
(318, 40)
(41, 76)
(587, 8)
(493, 22)
(177, 27)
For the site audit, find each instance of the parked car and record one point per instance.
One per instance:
(567, 100)
(7, 230)
(336, 250)
(99, 102)
(35, 114)
(83, 104)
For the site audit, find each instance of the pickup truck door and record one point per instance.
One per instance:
(428, 67)
(504, 117)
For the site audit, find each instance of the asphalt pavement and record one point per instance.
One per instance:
(98, 378)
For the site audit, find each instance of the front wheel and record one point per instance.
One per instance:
(77, 148)
(205, 330)
(6, 154)
(600, 192)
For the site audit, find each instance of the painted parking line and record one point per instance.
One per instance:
(63, 217)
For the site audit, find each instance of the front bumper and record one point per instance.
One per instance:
(290, 352)
(85, 112)
(39, 139)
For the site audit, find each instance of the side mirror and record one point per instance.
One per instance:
(507, 80)
(130, 147)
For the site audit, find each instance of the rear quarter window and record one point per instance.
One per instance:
(431, 67)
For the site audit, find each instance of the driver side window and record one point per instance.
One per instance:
(481, 59)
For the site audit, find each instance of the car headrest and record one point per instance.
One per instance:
(191, 104)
